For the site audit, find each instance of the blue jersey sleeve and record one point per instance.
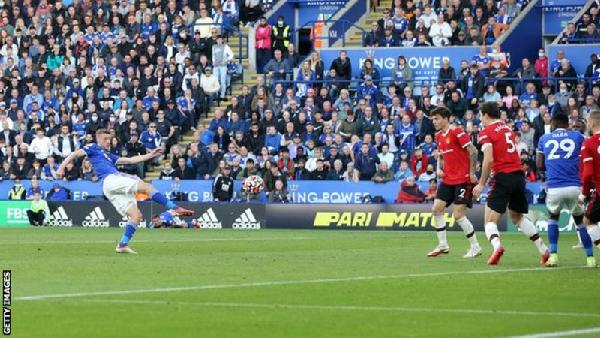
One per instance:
(90, 149)
(540, 145)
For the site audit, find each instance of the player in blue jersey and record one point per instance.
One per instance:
(119, 188)
(170, 219)
(558, 156)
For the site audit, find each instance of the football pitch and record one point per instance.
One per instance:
(68, 282)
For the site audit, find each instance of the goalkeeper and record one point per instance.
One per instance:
(39, 213)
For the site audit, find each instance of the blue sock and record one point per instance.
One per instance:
(161, 199)
(586, 240)
(553, 235)
(127, 234)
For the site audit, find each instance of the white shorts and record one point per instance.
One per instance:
(565, 198)
(120, 190)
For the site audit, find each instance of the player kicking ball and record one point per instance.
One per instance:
(558, 156)
(456, 169)
(590, 159)
(120, 188)
(507, 186)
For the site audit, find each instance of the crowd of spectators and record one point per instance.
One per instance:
(379, 132)
(146, 70)
(585, 30)
(443, 23)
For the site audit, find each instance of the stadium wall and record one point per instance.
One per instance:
(578, 55)
(253, 216)
(301, 192)
(524, 39)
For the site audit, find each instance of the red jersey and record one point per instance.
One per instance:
(590, 160)
(502, 139)
(452, 145)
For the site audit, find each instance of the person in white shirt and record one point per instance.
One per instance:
(221, 56)
(386, 156)
(181, 55)
(41, 146)
(210, 85)
(440, 32)
(203, 24)
(428, 16)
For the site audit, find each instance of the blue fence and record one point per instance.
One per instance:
(301, 191)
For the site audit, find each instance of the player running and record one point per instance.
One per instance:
(120, 188)
(456, 169)
(590, 157)
(558, 156)
(507, 186)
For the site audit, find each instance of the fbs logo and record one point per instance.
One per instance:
(96, 219)
(246, 221)
(208, 220)
(60, 219)
(124, 221)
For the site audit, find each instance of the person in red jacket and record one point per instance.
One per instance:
(409, 192)
(263, 44)
(418, 162)
(541, 65)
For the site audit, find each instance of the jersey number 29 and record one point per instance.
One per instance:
(566, 145)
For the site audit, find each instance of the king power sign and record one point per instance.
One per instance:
(424, 61)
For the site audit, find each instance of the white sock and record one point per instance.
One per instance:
(594, 231)
(531, 232)
(467, 227)
(491, 231)
(440, 229)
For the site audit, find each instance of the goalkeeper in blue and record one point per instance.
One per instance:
(558, 155)
(120, 188)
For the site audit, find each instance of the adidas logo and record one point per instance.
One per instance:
(60, 218)
(246, 221)
(208, 220)
(124, 221)
(96, 219)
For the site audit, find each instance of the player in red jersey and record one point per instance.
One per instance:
(507, 186)
(456, 169)
(590, 175)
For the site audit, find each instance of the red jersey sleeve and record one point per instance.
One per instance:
(587, 168)
(484, 137)
(462, 137)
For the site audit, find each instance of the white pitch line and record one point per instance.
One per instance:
(346, 308)
(562, 333)
(163, 240)
(280, 283)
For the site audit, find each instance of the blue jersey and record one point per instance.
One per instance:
(104, 163)
(561, 155)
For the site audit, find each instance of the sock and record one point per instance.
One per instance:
(594, 232)
(491, 231)
(440, 229)
(585, 240)
(161, 199)
(553, 235)
(530, 231)
(468, 229)
(127, 234)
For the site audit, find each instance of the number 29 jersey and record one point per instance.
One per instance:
(502, 138)
(561, 157)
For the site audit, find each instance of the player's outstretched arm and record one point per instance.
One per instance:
(72, 157)
(140, 158)
(486, 168)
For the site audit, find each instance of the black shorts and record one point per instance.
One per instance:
(592, 212)
(508, 189)
(458, 194)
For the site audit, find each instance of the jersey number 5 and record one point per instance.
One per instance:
(511, 144)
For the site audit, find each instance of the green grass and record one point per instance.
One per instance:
(403, 293)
